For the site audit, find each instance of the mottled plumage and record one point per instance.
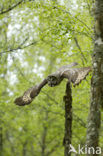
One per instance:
(30, 94)
(74, 75)
(56, 78)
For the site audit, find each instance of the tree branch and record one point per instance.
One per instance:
(11, 8)
(20, 47)
(68, 119)
(73, 16)
(77, 44)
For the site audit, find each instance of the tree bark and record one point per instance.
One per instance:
(68, 120)
(1, 142)
(94, 118)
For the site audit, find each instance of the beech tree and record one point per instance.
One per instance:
(94, 119)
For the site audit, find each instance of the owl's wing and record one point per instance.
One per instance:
(67, 66)
(30, 94)
(76, 75)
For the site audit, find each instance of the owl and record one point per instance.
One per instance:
(56, 78)
(74, 75)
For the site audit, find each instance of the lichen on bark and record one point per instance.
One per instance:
(94, 117)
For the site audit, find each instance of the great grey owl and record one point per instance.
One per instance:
(74, 75)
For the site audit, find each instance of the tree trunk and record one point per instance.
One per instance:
(24, 150)
(94, 118)
(68, 120)
(44, 135)
(1, 145)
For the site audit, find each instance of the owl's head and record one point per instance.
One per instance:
(53, 80)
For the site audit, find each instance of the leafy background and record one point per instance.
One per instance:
(36, 38)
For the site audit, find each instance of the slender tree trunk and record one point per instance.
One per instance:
(68, 120)
(24, 150)
(1, 145)
(94, 118)
(44, 135)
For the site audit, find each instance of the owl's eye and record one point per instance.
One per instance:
(53, 78)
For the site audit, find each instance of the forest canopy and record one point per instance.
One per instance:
(36, 38)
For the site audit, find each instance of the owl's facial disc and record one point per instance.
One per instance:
(52, 81)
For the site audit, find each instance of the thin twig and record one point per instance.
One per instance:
(77, 44)
(18, 48)
(11, 8)
(73, 16)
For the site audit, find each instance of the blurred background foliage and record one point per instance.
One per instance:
(36, 38)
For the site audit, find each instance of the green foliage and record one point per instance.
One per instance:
(37, 37)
